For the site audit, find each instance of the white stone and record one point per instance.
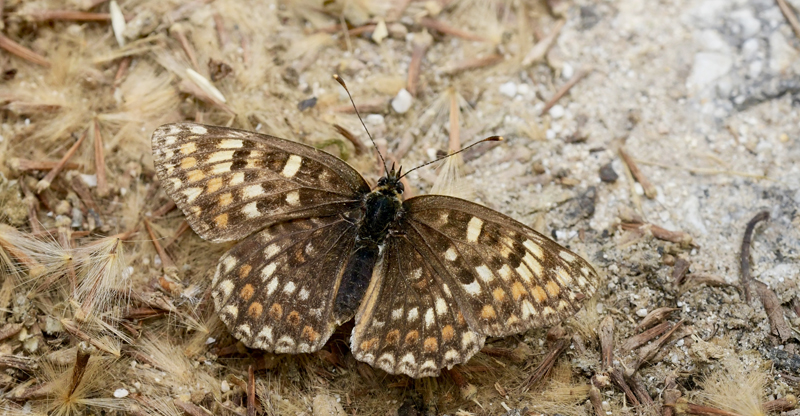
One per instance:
(509, 89)
(89, 180)
(641, 312)
(550, 134)
(747, 22)
(402, 101)
(224, 387)
(374, 119)
(707, 68)
(120, 393)
(755, 68)
(781, 53)
(711, 40)
(557, 111)
(567, 71)
(750, 48)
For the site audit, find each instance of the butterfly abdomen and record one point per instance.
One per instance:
(381, 208)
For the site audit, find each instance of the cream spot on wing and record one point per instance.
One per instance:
(231, 310)
(413, 314)
(272, 285)
(525, 273)
(408, 359)
(303, 295)
(252, 191)
(444, 217)
(228, 262)
(441, 306)
(230, 144)
(552, 289)
(221, 220)
(188, 163)
(266, 272)
(176, 183)
(569, 258)
(266, 334)
(272, 250)
(214, 185)
(429, 318)
(170, 140)
(484, 273)
(428, 365)
(563, 277)
(415, 274)
(289, 288)
(244, 329)
(237, 179)
(473, 288)
(505, 272)
(293, 198)
(451, 254)
(562, 305)
(451, 355)
(226, 286)
(474, 229)
(221, 168)
(188, 148)
(467, 338)
(198, 129)
(286, 341)
(547, 311)
(251, 210)
(292, 166)
(582, 281)
(488, 312)
(217, 157)
(534, 248)
(446, 290)
(397, 313)
(387, 359)
(533, 264)
(539, 294)
(192, 193)
(527, 309)
(195, 175)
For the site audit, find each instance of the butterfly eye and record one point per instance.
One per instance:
(382, 181)
(400, 188)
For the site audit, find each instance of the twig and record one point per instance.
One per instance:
(744, 258)
(606, 334)
(166, 262)
(772, 305)
(637, 341)
(639, 390)
(784, 404)
(539, 50)
(124, 64)
(219, 24)
(23, 52)
(181, 229)
(679, 270)
(83, 192)
(48, 179)
(74, 15)
(440, 26)
(547, 363)
(454, 142)
(597, 400)
(251, 391)
(79, 369)
(169, 206)
(671, 396)
(422, 41)
(190, 409)
(683, 406)
(790, 17)
(651, 350)
(564, 89)
(357, 144)
(472, 63)
(178, 32)
(24, 165)
(655, 316)
(649, 189)
(73, 329)
(100, 161)
(9, 330)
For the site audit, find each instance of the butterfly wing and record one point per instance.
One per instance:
(409, 322)
(230, 182)
(275, 289)
(505, 277)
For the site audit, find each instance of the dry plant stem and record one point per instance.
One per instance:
(671, 396)
(78, 370)
(502, 353)
(788, 13)
(440, 26)
(684, 407)
(679, 270)
(25, 165)
(744, 259)
(660, 233)
(219, 24)
(23, 52)
(83, 192)
(17, 361)
(73, 15)
(357, 31)
(190, 87)
(454, 143)
(420, 48)
(251, 391)
(190, 409)
(783, 404)
(539, 50)
(655, 316)
(606, 334)
(169, 206)
(649, 189)
(473, 63)
(651, 350)
(33, 208)
(397, 11)
(458, 378)
(638, 340)
(9, 330)
(48, 179)
(100, 161)
(772, 305)
(21, 257)
(357, 144)
(639, 390)
(547, 363)
(187, 47)
(124, 64)
(564, 89)
(181, 229)
(73, 329)
(597, 400)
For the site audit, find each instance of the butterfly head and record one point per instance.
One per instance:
(390, 184)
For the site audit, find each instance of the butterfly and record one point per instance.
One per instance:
(427, 279)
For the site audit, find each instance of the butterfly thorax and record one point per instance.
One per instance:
(381, 208)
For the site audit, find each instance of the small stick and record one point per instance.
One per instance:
(539, 50)
(100, 161)
(682, 406)
(661, 233)
(472, 63)
(671, 396)
(597, 400)
(357, 144)
(564, 89)
(23, 52)
(783, 404)
(190, 409)
(744, 258)
(79, 369)
(48, 179)
(356, 31)
(790, 17)
(651, 350)
(181, 229)
(440, 26)
(639, 390)
(618, 378)
(547, 363)
(454, 142)
(422, 41)
(177, 31)
(649, 189)
(655, 316)
(606, 334)
(219, 24)
(24, 165)
(637, 341)
(502, 353)
(74, 15)
(83, 192)
(679, 270)
(166, 262)
(75, 331)
(9, 330)
(251, 391)
(772, 305)
(397, 12)
(124, 64)
(169, 206)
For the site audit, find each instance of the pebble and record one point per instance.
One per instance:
(224, 387)
(708, 67)
(641, 312)
(567, 71)
(398, 31)
(750, 48)
(607, 173)
(120, 393)
(781, 53)
(509, 89)
(557, 111)
(749, 24)
(550, 134)
(402, 101)
(89, 180)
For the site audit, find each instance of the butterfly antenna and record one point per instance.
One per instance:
(488, 139)
(341, 82)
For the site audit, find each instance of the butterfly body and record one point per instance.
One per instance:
(427, 279)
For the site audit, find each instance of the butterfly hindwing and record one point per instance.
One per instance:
(505, 277)
(275, 289)
(409, 322)
(230, 183)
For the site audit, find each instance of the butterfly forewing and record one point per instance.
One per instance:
(505, 276)
(275, 289)
(230, 182)
(409, 322)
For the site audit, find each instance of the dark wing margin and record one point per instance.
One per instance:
(230, 183)
(275, 289)
(505, 277)
(409, 322)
